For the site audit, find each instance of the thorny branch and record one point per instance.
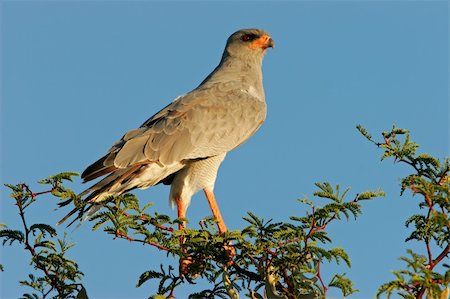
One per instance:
(53, 281)
(131, 239)
(431, 186)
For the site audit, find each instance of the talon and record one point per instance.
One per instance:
(231, 252)
(185, 265)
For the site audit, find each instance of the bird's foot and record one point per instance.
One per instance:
(185, 262)
(187, 268)
(230, 251)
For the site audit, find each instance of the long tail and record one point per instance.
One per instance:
(67, 217)
(117, 183)
(83, 215)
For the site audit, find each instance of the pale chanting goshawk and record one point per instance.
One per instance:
(184, 144)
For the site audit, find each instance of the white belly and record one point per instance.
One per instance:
(195, 176)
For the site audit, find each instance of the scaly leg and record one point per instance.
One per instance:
(184, 261)
(215, 210)
(221, 224)
(181, 209)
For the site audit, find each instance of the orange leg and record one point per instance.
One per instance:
(181, 212)
(221, 224)
(215, 210)
(184, 261)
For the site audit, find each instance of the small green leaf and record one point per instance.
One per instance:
(43, 228)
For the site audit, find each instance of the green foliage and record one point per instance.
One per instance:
(430, 181)
(415, 277)
(59, 277)
(343, 283)
(266, 258)
(280, 259)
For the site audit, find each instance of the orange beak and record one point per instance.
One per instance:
(263, 42)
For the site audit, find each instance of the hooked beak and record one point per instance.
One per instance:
(263, 42)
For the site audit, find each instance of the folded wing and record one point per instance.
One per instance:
(200, 124)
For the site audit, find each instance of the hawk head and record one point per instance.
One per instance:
(248, 43)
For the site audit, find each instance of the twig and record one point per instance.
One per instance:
(430, 254)
(325, 289)
(442, 255)
(53, 281)
(288, 281)
(34, 195)
(252, 275)
(149, 220)
(161, 227)
(125, 236)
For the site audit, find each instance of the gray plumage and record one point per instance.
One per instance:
(184, 143)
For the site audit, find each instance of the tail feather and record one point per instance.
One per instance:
(83, 215)
(67, 217)
(97, 169)
(118, 182)
(86, 214)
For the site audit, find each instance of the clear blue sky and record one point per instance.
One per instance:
(77, 75)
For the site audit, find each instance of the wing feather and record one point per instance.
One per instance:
(131, 153)
(200, 124)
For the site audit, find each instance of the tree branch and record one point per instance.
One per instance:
(125, 236)
(53, 281)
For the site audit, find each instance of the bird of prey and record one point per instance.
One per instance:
(184, 144)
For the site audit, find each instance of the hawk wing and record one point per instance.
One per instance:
(203, 123)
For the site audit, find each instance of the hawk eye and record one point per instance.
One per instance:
(249, 37)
